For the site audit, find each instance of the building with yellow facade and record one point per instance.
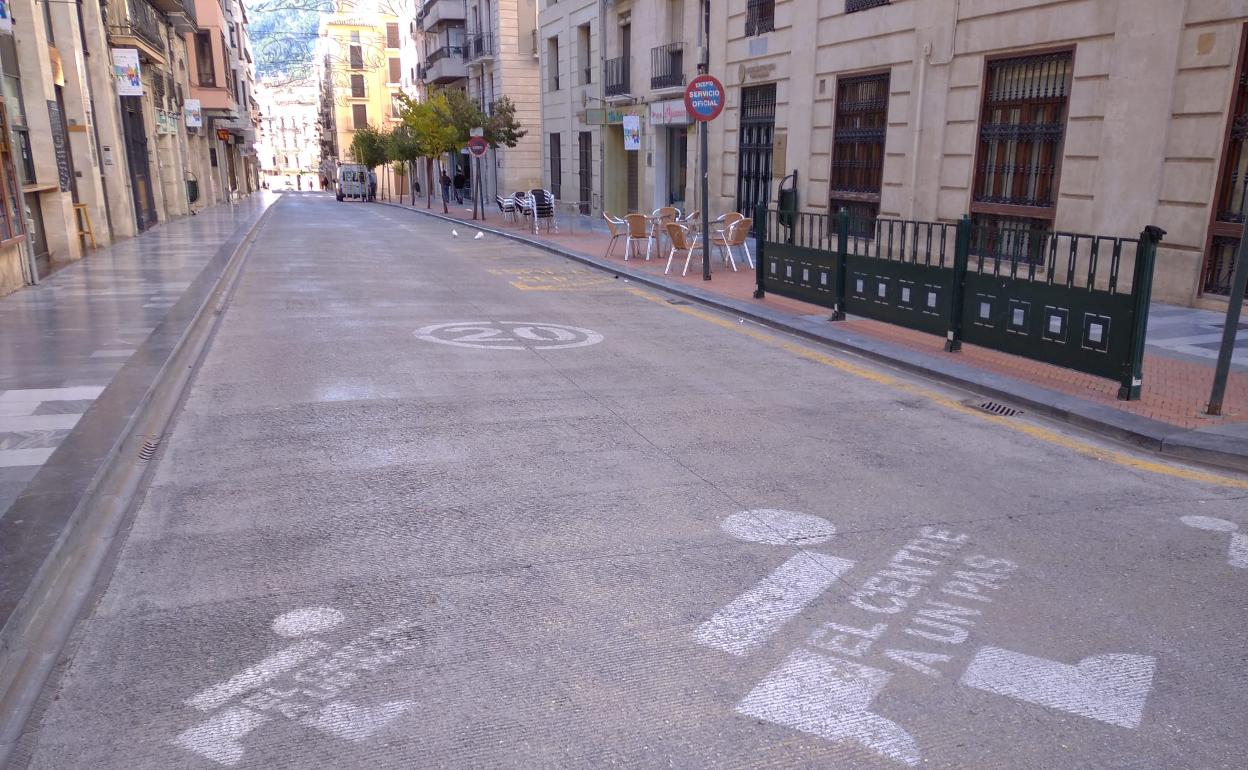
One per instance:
(360, 61)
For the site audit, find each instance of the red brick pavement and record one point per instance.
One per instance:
(1175, 391)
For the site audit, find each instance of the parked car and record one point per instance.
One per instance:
(352, 182)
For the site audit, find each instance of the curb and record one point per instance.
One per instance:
(35, 634)
(1156, 436)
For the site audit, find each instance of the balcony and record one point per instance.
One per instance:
(667, 66)
(445, 65)
(181, 14)
(615, 78)
(437, 12)
(140, 27)
(478, 47)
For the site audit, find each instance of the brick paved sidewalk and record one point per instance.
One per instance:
(1175, 391)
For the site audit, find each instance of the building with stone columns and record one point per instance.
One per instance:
(1099, 116)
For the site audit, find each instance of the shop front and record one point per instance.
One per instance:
(671, 122)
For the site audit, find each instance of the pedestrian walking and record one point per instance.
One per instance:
(459, 186)
(445, 181)
(372, 185)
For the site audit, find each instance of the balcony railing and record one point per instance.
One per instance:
(438, 54)
(615, 78)
(667, 66)
(478, 47)
(142, 21)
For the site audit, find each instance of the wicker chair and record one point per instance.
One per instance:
(680, 237)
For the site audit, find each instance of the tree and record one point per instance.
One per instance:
(368, 146)
(431, 134)
(403, 149)
(455, 109)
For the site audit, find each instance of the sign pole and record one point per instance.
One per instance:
(704, 130)
(1239, 284)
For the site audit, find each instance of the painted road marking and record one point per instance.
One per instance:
(310, 675)
(831, 698)
(770, 526)
(754, 616)
(509, 335)
(911, 615)
(1037, 432)
(1108, 688)
(1237, 552)
(541, 279)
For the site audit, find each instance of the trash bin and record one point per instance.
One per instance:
(786, 201)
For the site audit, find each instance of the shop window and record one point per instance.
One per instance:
(11, 221)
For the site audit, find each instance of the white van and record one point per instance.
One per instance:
(352, 182)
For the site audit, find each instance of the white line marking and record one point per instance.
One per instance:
(1237, 552)
(306, 621)
(39, 422)
(758, 613)
(830, 698)
(355, 723)
(24, 458)
(79, 393)
(270, 668)
(775, 527)
(1107, 688)
(218, 738)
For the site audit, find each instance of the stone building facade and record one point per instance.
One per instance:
(571, 82)
(1098, 116)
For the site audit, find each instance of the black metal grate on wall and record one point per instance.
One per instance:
(858, 145)
(754, 146)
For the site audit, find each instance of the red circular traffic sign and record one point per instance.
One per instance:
(704, 98)
(477, 146)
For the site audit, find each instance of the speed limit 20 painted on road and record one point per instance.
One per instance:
(704, 98)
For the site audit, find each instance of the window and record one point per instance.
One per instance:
(356, 58)
(1231, 197)
(357, 87)
(556, 167)
(396, 106)
(233, 37)
(552, 62)
(858, 147)
(760, 17)
(205, 71)
(396, 70)
(582, 54)
(355, 36)
(11, 218)
(392, 36)
(359, 116)
(862, 5)
(1020, 140)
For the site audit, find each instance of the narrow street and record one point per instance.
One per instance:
(437, 501)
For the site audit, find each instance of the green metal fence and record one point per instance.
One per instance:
(1077, 301)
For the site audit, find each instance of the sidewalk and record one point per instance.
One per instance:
(78, 354)
(1178, 363)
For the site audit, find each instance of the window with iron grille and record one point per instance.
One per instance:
(1022, 126)
(862, 5)
(858, 145)
(1231, 203)
(755, 142)
(760, 17)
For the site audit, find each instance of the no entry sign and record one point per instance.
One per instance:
(704, 98)
(477, 146)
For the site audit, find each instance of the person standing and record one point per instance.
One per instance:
(372, 185)
(459, 186)
(446, 186)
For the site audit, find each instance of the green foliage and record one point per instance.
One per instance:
(501, 126)
(369, 146)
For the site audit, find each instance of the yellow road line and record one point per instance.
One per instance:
(1034, 431)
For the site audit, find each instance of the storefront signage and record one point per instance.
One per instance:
(6, 20)
(704, 98)
(669, 113)
(596, 116)
(126, 72)
(632, 132)
(194, 114)
(223, 134)
(60, 145)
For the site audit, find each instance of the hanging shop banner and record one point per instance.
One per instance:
(632, 132)
(6, 20)
(126, 72)
(194, 114)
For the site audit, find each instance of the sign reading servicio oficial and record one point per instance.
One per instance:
(704, 98)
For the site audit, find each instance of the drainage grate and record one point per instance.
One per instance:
(1001, 410)
(148, 450)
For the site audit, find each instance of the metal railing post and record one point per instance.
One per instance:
(957, 290)
(1239, 285)
(760, 239)
(840, 258)
(1142, 297)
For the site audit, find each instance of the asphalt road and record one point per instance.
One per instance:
(588, 525)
